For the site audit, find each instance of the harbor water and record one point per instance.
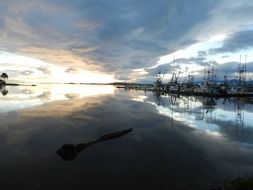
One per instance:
(102, 137)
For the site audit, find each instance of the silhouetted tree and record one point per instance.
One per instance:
(4, 76)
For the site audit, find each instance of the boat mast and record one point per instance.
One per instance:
(242, 72)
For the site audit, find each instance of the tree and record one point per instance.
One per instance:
(4, 76)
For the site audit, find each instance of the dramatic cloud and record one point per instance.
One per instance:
(118, 37)
(241, 40)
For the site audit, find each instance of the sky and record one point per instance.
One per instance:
(108, 40)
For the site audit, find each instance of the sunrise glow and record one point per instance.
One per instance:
(22, 68)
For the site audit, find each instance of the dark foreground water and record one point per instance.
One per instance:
(120, 139)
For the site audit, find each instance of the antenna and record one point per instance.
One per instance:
(163, 76)
(174, 61)
(245, 67)
(205, 73)
(217, 74)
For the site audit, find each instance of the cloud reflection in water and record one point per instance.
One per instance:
(215, 117)
(22, 97)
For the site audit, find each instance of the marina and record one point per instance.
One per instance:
(210, 86)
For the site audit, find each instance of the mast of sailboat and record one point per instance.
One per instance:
(242, 71)
(245, 69)
(163, 76)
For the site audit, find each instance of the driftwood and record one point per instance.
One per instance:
(70, 151)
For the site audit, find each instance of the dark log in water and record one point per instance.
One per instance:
(70, 151)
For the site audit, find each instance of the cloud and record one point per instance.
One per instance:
(27, 72)
(225, 18)
(202, 53)
(60, 57)
(181, 64)
(45, 70)
(240, 40)
(72, 70)
(115, 37)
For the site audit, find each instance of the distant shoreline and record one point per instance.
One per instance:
(70, 83)
(16, 84)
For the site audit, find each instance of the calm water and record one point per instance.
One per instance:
(128, 139)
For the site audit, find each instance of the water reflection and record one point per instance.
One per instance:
(210, 115)
(70, 151)
(156, 157)
(21, 97)
(3, 90)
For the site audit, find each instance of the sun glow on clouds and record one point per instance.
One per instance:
(193, 50)
(138, 74)
(21, 68)
(194, 58)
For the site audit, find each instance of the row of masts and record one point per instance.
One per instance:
(209, 84)
(242, 71)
